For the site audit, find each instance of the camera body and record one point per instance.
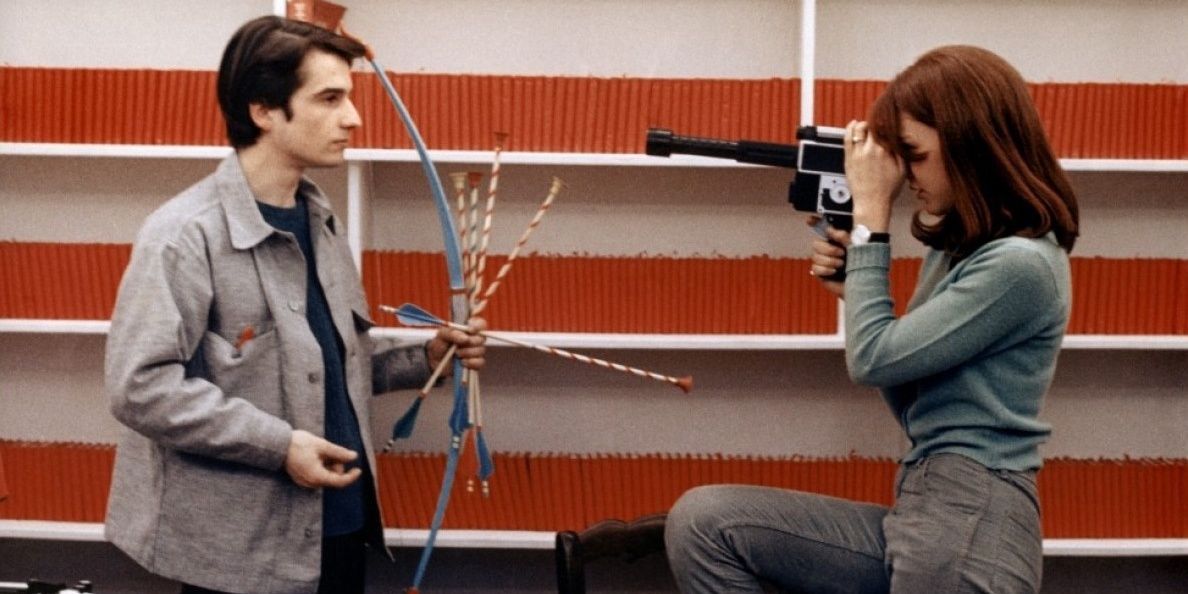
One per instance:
(820, 182)
(819, 185)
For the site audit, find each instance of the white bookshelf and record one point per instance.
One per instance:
(357, 203)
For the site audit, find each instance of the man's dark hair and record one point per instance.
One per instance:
(260, 66)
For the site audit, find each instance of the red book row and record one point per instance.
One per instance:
(757, 295)
(556, 113)
(1120, 498)
(652, 295)
(3, 484)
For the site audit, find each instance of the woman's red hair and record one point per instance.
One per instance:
(1005, 178)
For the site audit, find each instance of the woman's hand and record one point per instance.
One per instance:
(472, 349)
(828, 256)
(874, 176)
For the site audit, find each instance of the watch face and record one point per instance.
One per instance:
(860, 235)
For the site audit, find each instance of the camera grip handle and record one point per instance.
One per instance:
(840, 274)
(820, 229)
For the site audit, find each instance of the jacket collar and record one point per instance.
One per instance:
(244, 221)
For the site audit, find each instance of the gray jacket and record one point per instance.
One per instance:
(199, 493)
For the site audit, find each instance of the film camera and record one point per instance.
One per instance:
(819, 185)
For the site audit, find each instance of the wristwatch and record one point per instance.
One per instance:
(861, 235)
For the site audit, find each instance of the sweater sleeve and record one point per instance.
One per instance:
(997, 291)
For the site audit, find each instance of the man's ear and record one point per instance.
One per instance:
(261, 115)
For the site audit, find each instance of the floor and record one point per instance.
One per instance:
(454, 571)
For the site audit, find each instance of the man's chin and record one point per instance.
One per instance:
(327, 161)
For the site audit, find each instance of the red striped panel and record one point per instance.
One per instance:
(3, 481)
(71, 281)
(1081, 498)
(756, 295)
(557, 113)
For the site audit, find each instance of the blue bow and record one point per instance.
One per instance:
(459, 312)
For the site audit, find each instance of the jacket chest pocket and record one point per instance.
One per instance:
(239, 303)
(241, 349)
(248, 369)
(239, 312)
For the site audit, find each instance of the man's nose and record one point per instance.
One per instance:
(351, 119)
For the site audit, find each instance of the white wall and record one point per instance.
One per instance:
(126, 34)
(1049, 40)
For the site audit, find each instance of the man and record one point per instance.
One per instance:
(239, 356)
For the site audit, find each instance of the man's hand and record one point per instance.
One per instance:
(472, 349)
(313, 462)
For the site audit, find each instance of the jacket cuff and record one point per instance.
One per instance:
(404, 367)
(276, 439)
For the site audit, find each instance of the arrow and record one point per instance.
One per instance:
(414, 316)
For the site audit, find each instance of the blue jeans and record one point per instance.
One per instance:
(956, 527)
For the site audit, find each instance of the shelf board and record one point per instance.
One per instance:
(151, 151)
(1115, 547)
(540, 158)
(31, 326)
(44, 530)
(472, 539)
(728, 342)
(770, 342)
(524, 539)
(129, 151)
(711, 342)
(145, 151)
(1125, 342)
(1127, 165)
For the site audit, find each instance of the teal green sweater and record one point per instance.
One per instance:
(966, 368)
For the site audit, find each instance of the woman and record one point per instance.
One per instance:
(964, 371)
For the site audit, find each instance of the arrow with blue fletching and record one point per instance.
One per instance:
(416, 316)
